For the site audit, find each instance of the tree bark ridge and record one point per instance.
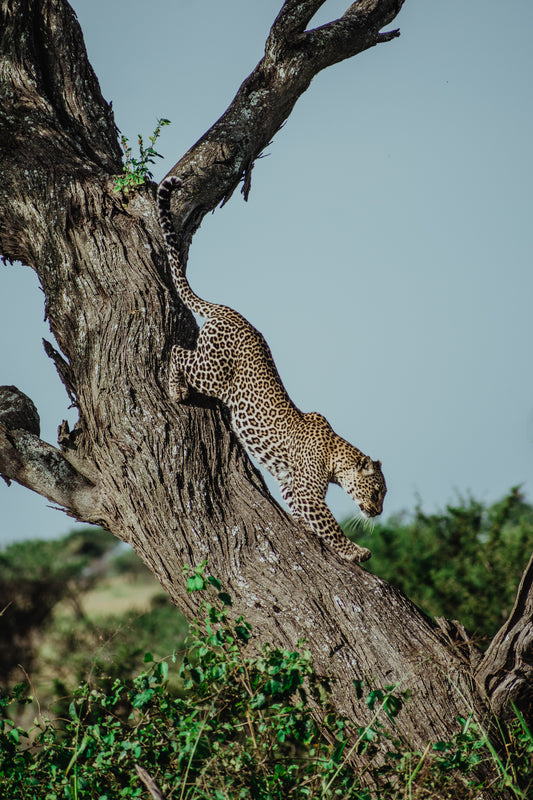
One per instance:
(505, 674)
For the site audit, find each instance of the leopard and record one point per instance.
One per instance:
(232, 362)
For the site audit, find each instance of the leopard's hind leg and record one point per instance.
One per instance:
(206, 369)
(178, 388)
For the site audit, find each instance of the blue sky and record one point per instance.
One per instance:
(385, 249)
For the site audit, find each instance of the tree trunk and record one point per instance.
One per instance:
(172, 480)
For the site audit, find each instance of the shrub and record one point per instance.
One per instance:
(240, 727)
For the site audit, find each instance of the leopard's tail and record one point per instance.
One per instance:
(181, 283)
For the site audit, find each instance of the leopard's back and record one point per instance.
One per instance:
(246, 380)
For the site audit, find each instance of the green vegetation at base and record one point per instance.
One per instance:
(464, 563)
(239, 727)
(113, 691)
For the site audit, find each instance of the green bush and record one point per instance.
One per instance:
(239, 727)
(463, 564)
(213, 722)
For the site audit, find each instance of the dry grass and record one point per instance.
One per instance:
(117, 595)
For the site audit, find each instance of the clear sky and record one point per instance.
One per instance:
(385, 251)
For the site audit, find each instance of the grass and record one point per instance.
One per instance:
(116, 595)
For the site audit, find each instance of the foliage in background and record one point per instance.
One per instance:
(106, 650)
(136, 171)
(240, 728)
(46, 629)
(34, 577)
(464, 564)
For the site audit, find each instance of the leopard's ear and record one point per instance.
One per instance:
(367, 466)
(377, 464)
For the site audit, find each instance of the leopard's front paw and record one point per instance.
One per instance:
(353, 552)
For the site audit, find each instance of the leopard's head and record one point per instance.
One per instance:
(364, 482)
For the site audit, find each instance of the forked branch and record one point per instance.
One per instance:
(292, 20)
(214, 166)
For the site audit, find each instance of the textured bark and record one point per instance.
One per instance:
(172, 480)
(505, 674)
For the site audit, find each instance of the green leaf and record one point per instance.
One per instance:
(195, 583)
(162, 668)
(217, 672)
(14, 734)
(215, 615)
(242, 632)
(273, 687)
(258, 701)
(338, 751)
(372, 697)
(197, 674)
(392, 705)
(142, 698)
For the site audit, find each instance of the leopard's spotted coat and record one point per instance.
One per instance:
(233, 363)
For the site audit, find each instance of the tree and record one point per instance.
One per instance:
(172, 480)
